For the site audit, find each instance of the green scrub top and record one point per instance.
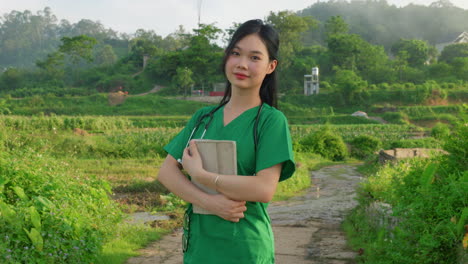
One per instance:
(213, 239)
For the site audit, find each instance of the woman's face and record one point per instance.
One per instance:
(248, 63)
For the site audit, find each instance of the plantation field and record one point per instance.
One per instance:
(108, 158)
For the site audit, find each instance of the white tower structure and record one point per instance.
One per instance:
(311, 82)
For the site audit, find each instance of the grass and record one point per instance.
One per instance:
(129, 239)
(126, 149)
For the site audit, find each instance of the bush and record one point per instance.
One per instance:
(427, 142)
(365, 146)
(428, 213)
(326, 143)
(457, 146)
(49, 214)
(440, 131)
(396, 118)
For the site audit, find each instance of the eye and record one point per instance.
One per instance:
(255, 58)
(235, 53)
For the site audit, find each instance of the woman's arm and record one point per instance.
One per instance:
(259, 188)
(174, 180)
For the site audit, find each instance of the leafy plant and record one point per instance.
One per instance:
(49, 214)
(326, 143)
(440, 131)
(364, 146)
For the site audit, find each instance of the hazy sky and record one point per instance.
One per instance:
(164, 16)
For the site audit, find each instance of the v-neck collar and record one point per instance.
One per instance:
(239, 117)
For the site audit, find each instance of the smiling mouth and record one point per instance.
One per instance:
(240, 76)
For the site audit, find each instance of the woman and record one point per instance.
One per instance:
(239, 230)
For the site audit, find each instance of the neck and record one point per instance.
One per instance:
(244, 99)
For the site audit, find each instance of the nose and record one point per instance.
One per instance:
(242, 63)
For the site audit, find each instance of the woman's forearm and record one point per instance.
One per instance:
(219, 204)
(174, 180)
(258, 188)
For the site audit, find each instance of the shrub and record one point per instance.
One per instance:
(365, 146)
(396, 118)
(428, 213)
(49, 214)
(457, 146)
(326, 143)
(440, 131)
(427, 142)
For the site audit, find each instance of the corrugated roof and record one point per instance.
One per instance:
(463, 38)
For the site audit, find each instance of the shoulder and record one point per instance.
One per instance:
(271, 114)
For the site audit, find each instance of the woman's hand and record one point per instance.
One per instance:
(226, 208)
(191, 160)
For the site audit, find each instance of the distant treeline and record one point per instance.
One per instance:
(355, 45)
(380, 23)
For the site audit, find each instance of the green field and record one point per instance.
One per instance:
(108, 157)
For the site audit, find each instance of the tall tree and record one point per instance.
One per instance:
(105, 55)
(183, 79)
(450, 52)
(290, 27)
(78, 48)
(417, 52)
(335, 25)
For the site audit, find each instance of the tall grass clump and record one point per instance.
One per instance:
(440, 131)
(50, 214)
(326, 143)
(425, 210)
(364, 146)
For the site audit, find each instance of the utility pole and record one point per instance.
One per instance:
(199, 10)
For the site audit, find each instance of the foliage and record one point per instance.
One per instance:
(48, 216)
(383, 23)
(335, 25)
(97, 104)
(420, 227)
(326, 143)
(426, 142)
(351, 86)
(183, 79)
(450, 52)
(364, 146)
(79, 47)
(396, 117)
(440, 131)
(414, 52)
(289, 27)
(457, 146)
(460, 68)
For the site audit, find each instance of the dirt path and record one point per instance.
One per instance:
(307, 228)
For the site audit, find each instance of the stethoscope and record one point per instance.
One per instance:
(207, 125)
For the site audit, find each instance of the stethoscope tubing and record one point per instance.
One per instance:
(210, 115)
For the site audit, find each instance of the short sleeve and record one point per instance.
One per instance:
(275, 145)
(176, 147)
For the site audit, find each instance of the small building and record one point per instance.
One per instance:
(462, 38)
(218, 89)
(311, 82)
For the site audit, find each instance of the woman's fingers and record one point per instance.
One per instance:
(193, 150)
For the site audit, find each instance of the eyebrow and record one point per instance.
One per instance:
(253, 51)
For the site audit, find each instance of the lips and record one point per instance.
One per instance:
(240, 76)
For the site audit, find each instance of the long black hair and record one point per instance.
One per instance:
(270, 38)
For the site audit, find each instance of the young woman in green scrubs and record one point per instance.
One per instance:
(239, 230)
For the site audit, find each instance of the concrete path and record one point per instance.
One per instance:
(307, 228)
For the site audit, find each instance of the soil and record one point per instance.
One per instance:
(307, 228)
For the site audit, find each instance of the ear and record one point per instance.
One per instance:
(272, 66)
